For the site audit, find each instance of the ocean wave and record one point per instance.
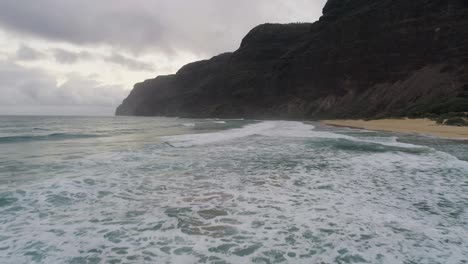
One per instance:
(189, 125)
(277, 192)
(215, 124)
(372, 146)
(267, 128)
(53, 136)
(290, 129)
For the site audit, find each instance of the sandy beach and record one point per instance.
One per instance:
(419, 126)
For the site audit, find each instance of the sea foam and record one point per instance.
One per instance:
(289, 129)
(268, 192)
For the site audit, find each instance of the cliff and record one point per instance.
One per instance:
(363, 58)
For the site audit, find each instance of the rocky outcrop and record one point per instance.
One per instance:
(363, 58)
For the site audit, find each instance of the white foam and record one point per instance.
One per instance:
(321, 205)
(266, 128)
(207, 138)
(290, 129)
(189, 125)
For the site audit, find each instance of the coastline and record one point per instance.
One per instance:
(417, 126)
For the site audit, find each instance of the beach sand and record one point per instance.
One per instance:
(419, 126)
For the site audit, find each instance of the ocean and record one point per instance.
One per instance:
(168, 190)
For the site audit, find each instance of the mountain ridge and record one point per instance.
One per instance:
(362, 59)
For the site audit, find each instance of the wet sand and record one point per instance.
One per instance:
(419, 126)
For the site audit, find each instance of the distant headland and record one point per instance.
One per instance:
(362, 59)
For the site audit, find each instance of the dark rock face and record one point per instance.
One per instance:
(364, 58)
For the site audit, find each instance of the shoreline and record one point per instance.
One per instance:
(410, 126)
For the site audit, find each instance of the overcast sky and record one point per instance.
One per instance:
(68, 57)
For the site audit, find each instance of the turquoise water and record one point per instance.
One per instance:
(162, 190)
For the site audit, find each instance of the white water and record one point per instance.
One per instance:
(267, 192)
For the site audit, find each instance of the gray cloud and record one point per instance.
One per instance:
(205, 27)
(20, 86)
(70, 57)
(25, 53)
(128, 29)
(128, 62)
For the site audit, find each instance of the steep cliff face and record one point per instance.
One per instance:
(364, 58)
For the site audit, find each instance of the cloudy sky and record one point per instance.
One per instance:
(68, 57)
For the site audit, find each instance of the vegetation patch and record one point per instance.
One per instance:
(452, 119)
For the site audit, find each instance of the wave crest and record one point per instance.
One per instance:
(53, 136)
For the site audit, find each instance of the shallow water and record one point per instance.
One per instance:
(161, 190)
